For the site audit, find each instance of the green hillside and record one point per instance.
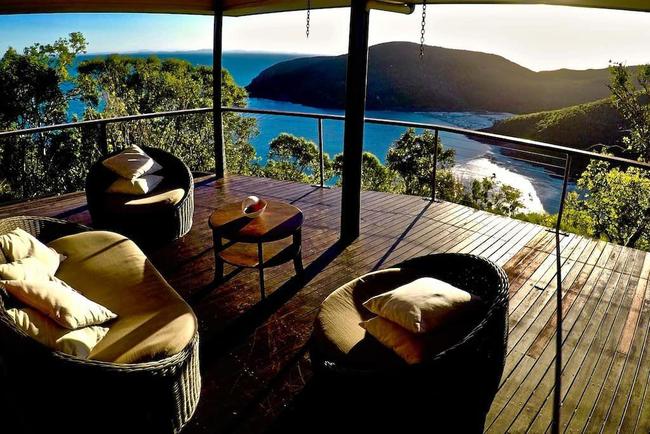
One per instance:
(580, 126)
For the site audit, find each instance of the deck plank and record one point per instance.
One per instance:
(254, 360)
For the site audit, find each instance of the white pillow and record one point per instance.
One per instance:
(18, 244)
(75, 342)
(25, 269)
(132, 163)
(59, 302)
(422, 305)
(137, 187)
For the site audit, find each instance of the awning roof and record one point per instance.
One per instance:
(251, 7)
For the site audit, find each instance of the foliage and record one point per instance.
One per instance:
(633, 106)
(119, 85)
(374, 175)
(294, 158)
(613, 203)
(617, 202)
(34, 91)
(582, 126)
(574, 219)
(490, 195)
(610, 203)
(36, 88)
(411, 156)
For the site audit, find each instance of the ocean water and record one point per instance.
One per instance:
(540, 187)
(474, 159)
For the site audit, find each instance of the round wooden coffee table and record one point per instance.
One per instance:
(269, 240)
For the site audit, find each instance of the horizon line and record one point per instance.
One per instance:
(262, 52)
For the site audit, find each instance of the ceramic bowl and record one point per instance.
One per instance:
(253, 207)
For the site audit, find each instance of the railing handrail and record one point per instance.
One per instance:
(467, 132)
(325, 116)
(96, 122)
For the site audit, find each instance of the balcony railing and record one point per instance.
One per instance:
(543, 149)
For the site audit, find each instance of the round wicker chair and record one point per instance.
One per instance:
(450, 392)
(151, 225)
(52, 390)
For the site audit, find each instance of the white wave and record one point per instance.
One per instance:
(484, 167)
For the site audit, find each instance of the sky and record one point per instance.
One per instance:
(535, 36)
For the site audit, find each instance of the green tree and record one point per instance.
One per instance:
(411, 156)
(632, 101)
(35, 91)
(613, 203)
(374, 175)
(617, 203)
(491, 195)
(119, 85)
(294, 158)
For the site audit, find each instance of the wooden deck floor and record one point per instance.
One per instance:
(253, 354)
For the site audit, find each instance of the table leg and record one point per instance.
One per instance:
(218, 262)
(297, 260)
(260, 258)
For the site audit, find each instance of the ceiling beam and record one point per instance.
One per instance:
(253, 7)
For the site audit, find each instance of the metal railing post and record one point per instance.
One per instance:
(434, 179)
(320, 152)
(557, 395)
(103, 139)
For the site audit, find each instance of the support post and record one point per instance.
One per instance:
(557, 393)
(103, 139)
(434, 176)
(355, 106)
(321, 161)
(217, 115)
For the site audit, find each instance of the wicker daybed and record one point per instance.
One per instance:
(164, 214)
(143, 377)
(450, 392)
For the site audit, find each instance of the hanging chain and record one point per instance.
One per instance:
(308, 17)
(423, 27)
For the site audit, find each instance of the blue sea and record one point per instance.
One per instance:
(474, 159)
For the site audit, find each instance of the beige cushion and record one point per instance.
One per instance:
(25, 269)
(339, 336)
(161, 199)
(132, 163)
(153, 320)
(409, 346)
(415, 347)
(337, 330)
(19, 244)
(3, 258)
(59, 302)
(135, 187)
(423, 305)
(78, 343)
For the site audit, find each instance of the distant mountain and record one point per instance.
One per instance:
(444, 80)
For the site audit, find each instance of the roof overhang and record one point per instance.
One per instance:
(252, 7)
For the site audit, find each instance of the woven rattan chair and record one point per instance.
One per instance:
(152, 224)
(55, 391)
(451, 391)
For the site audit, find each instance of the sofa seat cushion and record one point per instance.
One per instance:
(153, 321)
(160, 199)
(338, 334)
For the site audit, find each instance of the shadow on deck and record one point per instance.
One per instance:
(254, 359)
